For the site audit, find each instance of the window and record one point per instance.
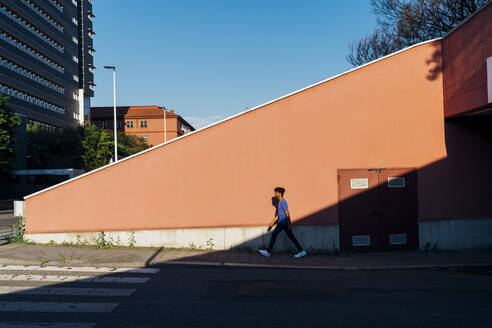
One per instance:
(31, 99)
(129, 124)
(30, 75)
(76, 78)
(103, 124)
(185, 128)
(57, 4)
(144, 137)
(75, 59)
(75, 40)
(34, 53)
(75, 21)
(31, 28)
(43, 14)
(143, 124)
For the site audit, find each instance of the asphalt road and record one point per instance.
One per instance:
(191, 296)
(7, 219)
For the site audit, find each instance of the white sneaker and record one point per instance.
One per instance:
(300, 254)
(264, 252)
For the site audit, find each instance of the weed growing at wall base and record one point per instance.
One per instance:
(210, 244)
(100, 242)
(18, 233)
(131, 240)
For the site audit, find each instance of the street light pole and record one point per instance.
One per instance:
(165, 136)
(114, 112)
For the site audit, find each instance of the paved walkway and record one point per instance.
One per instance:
(124, 257)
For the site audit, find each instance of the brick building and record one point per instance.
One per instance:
(146, 122)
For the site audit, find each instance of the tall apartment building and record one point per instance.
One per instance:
(46, 59)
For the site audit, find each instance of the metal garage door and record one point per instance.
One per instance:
(378, 209)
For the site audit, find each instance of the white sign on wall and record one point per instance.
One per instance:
(359, 183)
(489, 78)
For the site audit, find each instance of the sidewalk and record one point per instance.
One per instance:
(124, 257)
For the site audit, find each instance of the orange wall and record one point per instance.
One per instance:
(387, 114)
(465, 52)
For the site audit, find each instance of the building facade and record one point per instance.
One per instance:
(145, 122)
(396, 156)
(46, 59)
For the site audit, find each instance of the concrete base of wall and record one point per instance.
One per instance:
(455, 234)
(316, 238)
(440, 234)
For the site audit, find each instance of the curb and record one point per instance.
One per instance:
(333, 268)
(71, 263)
(4, 261)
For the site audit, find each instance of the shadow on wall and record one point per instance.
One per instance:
(451, 188)
(435, 62)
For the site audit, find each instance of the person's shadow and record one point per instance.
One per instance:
(275, 204)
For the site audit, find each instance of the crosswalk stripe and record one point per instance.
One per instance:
(23, 306)
(47, 324)
(99, 279)
(77, 269)
(65, 291)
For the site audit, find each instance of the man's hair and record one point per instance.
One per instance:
(280, 190)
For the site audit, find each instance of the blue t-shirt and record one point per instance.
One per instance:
(282, 206)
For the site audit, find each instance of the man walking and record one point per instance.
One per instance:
(282, 219)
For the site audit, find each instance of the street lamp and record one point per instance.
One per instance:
(165, 137)
(114, 108)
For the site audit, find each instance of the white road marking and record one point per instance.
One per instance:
(33, 277)
(6, 306)
(77, 269)
(47, 324)
(65, 291)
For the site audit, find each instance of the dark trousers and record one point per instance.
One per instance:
(278, 229)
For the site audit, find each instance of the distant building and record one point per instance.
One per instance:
(146, 122)
(46, 63)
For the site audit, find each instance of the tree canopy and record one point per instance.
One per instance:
(402, 23)
(85, 148)
(8, 122)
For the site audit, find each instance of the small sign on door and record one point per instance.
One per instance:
(396, 182)
(359, 183)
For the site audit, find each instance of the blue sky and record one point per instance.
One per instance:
(211, 59)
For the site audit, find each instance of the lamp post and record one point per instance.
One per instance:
(114, 109)
(165, 136)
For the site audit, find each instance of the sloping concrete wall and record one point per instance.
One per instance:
(386, 114)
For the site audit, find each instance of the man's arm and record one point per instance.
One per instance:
(273, 222)
(288, 219)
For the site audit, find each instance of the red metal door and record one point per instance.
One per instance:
(398, 208)
(377, 209)
(358, 210)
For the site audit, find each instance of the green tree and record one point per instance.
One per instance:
(61, 148)
(129, 144)
(97, 147)
(402, 23)
(8, 122)
(85, 148)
